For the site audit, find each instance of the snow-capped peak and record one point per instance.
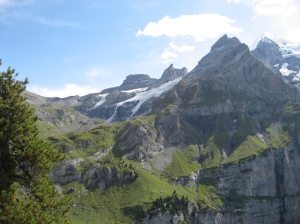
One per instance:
(287, 48)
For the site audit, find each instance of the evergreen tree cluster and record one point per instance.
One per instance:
(172, 204)
(26, 193)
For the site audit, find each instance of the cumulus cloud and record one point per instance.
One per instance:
(66, 90)
(200, 27)
(182, 48)
(271, 7)
(167, 56)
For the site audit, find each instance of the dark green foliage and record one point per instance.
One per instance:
(25, 162)
(172, 204)
(135, 212)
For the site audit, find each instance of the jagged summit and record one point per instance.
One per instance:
(223, 46)
(168, 75)
(225, 41)
(172, 73)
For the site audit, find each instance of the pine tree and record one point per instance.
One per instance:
(26, 193)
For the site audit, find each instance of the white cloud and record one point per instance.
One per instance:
(271, 7)
(275, 7)
(67, 90)
(142, 5)
(234, 1)
(182, 48)
(199, 27)
(57, 23)
(167, 56)
(7, 3)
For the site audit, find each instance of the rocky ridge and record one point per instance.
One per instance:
(92, 109)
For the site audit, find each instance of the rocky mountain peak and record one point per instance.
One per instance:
(225, 41)
(130, 79)
(172, 73)
(134, 81)
(231, 62)
(169, 74)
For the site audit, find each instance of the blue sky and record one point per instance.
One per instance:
(78, 47)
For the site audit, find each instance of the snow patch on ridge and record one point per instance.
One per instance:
(143, 97)
(134, 90)
(284, 70)
(296, 77)
(102, 100)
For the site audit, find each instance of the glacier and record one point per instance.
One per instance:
(143, 97)
(102, 100)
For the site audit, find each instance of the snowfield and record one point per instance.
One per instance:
(143, 97)
(102, 100)
(284, 70)
(135, 90)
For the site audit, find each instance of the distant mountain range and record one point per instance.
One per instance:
(132, 98)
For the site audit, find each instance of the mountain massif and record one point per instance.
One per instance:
(220, 144)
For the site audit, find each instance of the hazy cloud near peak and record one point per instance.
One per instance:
(167, 56)
(198, 26)
(66, 90)
(6, 3)
(182, 48)
(271, 7)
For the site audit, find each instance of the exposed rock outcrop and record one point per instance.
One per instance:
(93, 177)
(132, 82)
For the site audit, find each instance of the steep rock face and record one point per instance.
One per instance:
(262, 190)
(137, 141)
(92, 178)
